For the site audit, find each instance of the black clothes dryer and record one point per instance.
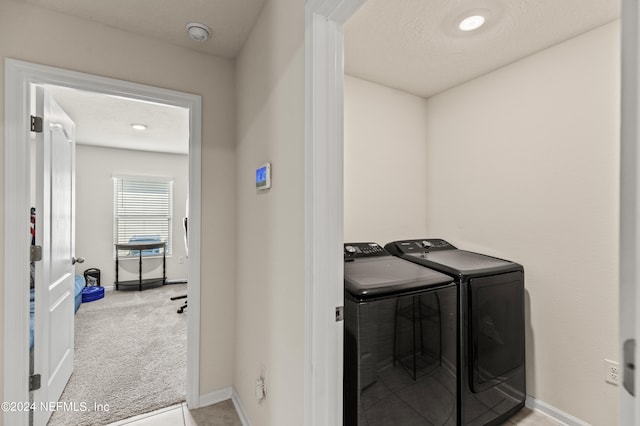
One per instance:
(399, 341)
(491, 361)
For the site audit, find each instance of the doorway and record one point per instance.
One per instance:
(324, 51)
(21, 78)
(146, 168)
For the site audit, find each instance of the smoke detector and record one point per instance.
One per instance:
(198, 32)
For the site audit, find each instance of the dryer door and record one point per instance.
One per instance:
(496, 328)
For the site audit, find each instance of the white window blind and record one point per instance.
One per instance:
(142, 213)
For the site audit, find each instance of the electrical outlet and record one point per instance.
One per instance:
(611, 372)
(261, 385)
(260, 390)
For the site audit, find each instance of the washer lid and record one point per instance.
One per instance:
(386, 276)
(463, 263)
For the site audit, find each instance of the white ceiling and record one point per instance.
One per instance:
(230, 20)
(104, 120)
(411, 45)
(415, 46)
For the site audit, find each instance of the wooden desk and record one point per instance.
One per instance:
(140, 247)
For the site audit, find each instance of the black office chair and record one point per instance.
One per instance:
(184, 296)
(184, 305)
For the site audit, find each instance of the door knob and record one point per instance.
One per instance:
(75, 260)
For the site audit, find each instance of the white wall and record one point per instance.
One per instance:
(385, 177)
(531, 158)
(270, 224)
(36, 35)
(95, 167)
(521, 163)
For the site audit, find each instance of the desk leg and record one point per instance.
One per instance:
(117, 270)
(140, 272)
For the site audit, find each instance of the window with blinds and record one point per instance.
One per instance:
(142, 212)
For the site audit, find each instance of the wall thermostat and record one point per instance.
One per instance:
(263, 177)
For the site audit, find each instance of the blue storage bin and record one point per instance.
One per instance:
(89, 294)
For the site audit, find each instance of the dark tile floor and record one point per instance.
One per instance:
(224, 414)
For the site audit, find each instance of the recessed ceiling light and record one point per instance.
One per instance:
(198, 32)
(139, 126)
(471, 23)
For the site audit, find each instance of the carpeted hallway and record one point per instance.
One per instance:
(130, 357)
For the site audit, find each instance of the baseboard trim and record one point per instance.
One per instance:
(239, 408)
(553, 412)
(223, 395)
(230, 393)
(169, 282)
(176, 281)
(215, 397)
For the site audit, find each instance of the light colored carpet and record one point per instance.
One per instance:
(130, 353)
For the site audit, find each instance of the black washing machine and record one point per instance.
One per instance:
(400, 333)
(491, 351)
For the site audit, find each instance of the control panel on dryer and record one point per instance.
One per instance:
(357, 250)
(418, 246)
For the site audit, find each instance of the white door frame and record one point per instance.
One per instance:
(324, 75)
(630, 202)
(19, 79)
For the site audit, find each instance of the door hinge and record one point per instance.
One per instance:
(36, 253)
(339, 313)
(34, 382)
(36, 124)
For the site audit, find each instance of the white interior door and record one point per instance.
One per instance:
(55, 233)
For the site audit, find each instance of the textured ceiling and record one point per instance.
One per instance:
(104, 120)
(415, 46)
(411, 45)
(230, 20)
